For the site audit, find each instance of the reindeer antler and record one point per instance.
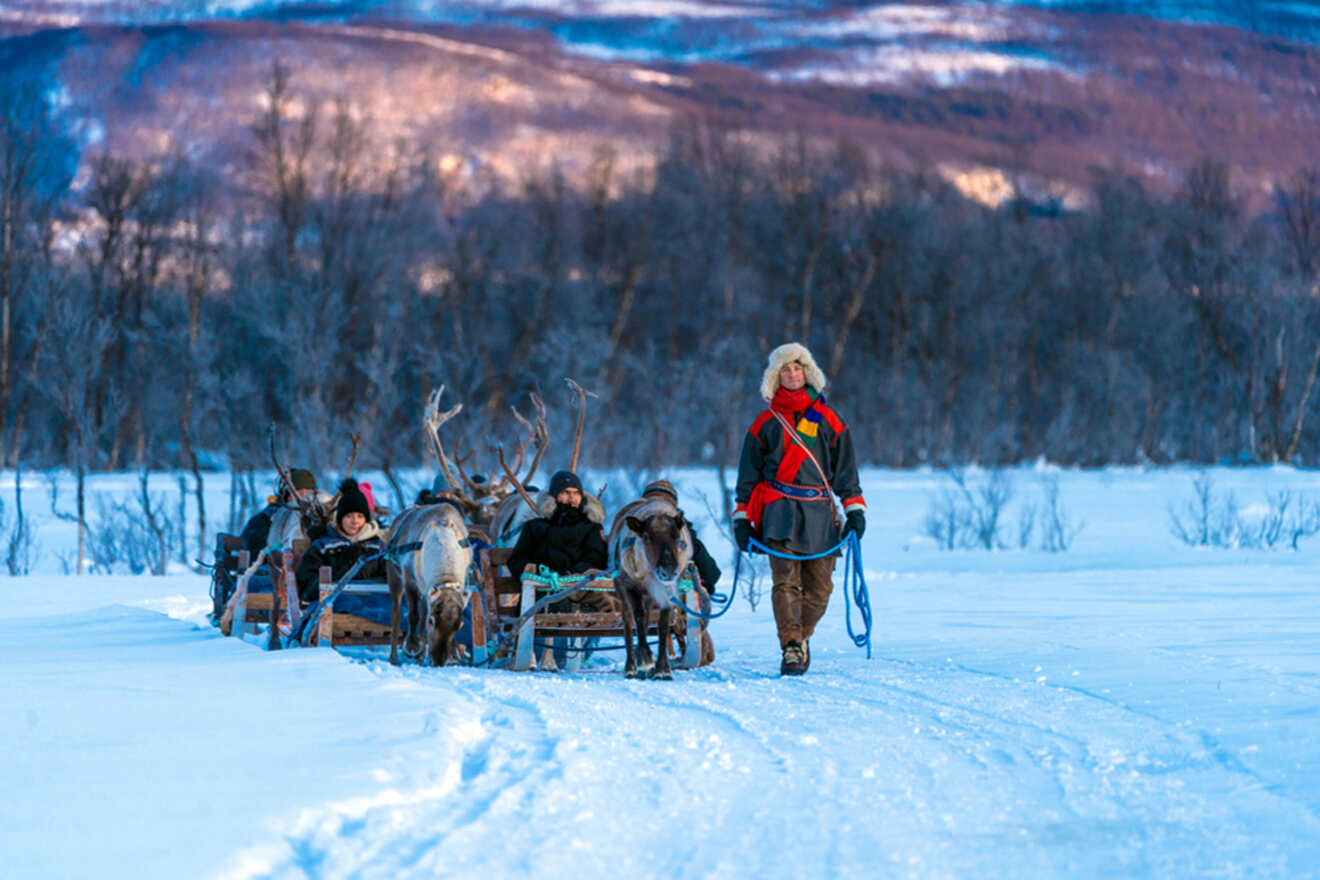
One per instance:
(582, 418)
(539, 432)
(433, 421)
(357, 438)
(303, 508)
(536, 435)
(499, 451)
(458, 462)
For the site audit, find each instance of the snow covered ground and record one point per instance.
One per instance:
(1132, 708)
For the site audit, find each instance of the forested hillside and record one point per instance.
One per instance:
(154, 314)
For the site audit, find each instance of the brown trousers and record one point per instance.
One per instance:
(800, 593)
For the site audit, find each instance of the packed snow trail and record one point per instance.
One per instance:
(891, 768)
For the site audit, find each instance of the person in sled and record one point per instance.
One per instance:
(353, 535)
(568, 541)
(438, 492)
(257, 531)
(793, 455)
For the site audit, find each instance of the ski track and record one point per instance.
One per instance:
(1050, 764)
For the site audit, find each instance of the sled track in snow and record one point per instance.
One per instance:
(938, 757)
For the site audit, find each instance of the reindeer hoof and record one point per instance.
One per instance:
(662, 675)
(630, 673)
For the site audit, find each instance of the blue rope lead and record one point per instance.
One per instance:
(725, 601)
(854, 583)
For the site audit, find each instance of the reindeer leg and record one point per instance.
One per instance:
(396, 597)
(412, 646)
(646, 660)
(661, 670)
(630, 665)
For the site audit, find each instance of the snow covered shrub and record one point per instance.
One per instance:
(132, 536)
(947, 522)
(1057, 528)
(1190, 523)
(1219, 521)
(972, 518)
(1026, 525)
(966, 518)
(20, 543)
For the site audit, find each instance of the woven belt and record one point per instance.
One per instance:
(801, 493)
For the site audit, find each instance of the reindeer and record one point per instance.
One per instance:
(481, 499)
(437, 571)
(433, 576)
(650, 548)
(510, 514)
(296, 519)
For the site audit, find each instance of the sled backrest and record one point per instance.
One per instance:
(503, 591)
(227, 548)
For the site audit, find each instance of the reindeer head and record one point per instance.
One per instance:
(444, 617)
(666, 543)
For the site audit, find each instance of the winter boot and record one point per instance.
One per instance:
(795, 661)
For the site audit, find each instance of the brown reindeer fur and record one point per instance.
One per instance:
(650, 546)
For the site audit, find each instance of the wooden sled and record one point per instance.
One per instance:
(505, 597)
(338, 627)
(268, 596)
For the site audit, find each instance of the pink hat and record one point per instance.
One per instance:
(366, 490)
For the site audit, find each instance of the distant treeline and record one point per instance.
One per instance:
(162, 314)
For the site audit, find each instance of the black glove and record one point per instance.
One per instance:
(856, 523)
(742, 534)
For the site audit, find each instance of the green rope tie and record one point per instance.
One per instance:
(547, 581)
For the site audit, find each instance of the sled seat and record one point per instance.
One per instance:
(359, 615)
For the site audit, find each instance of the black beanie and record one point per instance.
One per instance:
(564, 480)
(351, 500)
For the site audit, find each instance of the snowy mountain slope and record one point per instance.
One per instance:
(1131, 708)
(972, 89)
(1286, 19)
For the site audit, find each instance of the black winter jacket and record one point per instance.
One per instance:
(339, 552)
(706, 567)
(566, 542)
(257, 530)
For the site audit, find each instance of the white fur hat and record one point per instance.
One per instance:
(785, 354)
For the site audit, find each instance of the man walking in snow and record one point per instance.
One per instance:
(793, 455)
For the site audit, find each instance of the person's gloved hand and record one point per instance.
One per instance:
(856, 523)
(742, 534)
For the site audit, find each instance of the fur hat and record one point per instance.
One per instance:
(302, 479)
(564, 480)
(661, 487)
(786, 354)
(351, 500)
